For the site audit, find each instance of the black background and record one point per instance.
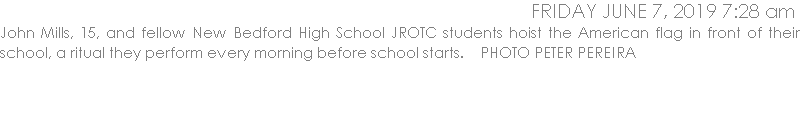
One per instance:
(548, 86)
